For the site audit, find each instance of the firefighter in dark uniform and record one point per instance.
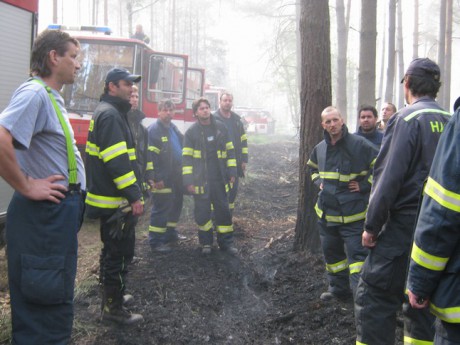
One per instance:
(208, 166)
(434, 272)
(400, 170)
(164, 174)
(341, 166)
(114, 193)
(238, 137)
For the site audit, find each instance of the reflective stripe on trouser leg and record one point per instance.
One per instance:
(203, 213)
(162, 203)
(351, 234)
(222, 216)
(336, 260)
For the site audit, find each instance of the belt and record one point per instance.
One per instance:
(74, 188)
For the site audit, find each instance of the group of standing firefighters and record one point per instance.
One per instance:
(366, 241)
(371, 188)
(125, 163)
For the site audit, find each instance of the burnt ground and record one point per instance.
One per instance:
(267, 294)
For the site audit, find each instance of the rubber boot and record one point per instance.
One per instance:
(112, 309)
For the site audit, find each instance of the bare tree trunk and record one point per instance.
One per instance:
(173, 26)
(298, 56)
(315, 95)
(415, 34)
(382, 63)
(342, 42)
(106, 13)
(55, 10)
(367, 53)
(448, 59)
(400, 93)
(391, 51)
(442, 49)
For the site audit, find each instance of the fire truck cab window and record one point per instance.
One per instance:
(96, 60)
(166, 78)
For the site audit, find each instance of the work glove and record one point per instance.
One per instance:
(119, 224)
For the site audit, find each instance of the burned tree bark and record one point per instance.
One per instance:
(315, 95)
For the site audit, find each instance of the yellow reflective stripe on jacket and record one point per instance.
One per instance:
(337, 267)
(154, 149)
(132, 154)
(244, 150)
(451, 314)
(231, 163)
(199, 190)
(341, 219)
(196, 153)
(431, 262)
(149, 166)
(187, 170)
(411, 341)
(187, 151)
(244, 137)
(224, 229)
(360, 343)
(125, 180)
(171, 224)
(162, 191)
(229, 146)
(332, 175)
(206, 227)
(444, 197)
(356, 267)
(92, 149)
(219, 154)
(314, 176)
(114, 151)
(105, 201)
(373, 162)
(421, 111)
(157, 229)
(312, 164)
(164, 139)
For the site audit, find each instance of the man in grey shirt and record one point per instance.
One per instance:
(41, 162)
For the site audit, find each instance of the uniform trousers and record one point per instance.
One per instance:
(166, 210)
(447, 333)
(42, 265)
(213, 204)
(380, 292)
(343, 267)
(117, 250)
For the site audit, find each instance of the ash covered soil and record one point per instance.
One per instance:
(267, 294)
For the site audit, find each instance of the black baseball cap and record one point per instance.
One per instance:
(425, 68)
(116, 74)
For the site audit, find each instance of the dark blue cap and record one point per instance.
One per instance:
(116, 74)
(424, 68)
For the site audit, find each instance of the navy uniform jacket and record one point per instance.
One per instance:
(435, 260)
(112, 171)
(194, 171)
(350, 159)
(403, 164)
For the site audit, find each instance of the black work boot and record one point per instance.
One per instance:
(112, 308)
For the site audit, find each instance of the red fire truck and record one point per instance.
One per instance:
(18, 20)
(164, 76)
